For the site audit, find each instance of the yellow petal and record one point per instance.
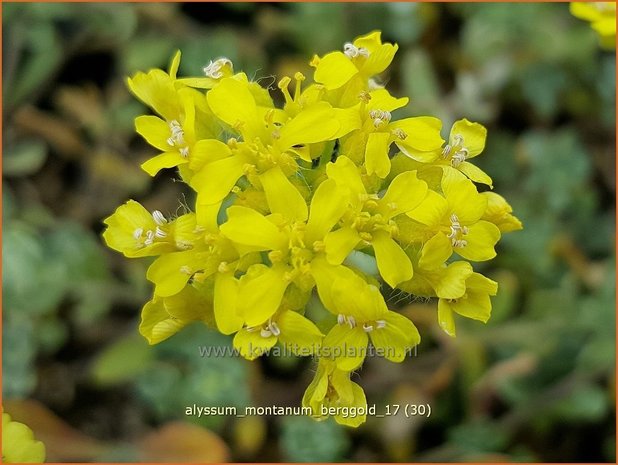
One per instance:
(174, 64)
(432, 211)
(381, 99)
(376, 154)
(340, 243)
(404, 193)
(359, 401)
(480, 242)
(282, 196)
(156, 323)
(445, 317)
(19, 444)
(423, 133)
(226, 294)
(246, 226)
(473, 134)
(207, 151)
(232, 102)
(215, 181)
(435, 252)
(379, 59)
(325, 275)
(462, 196)
(260, 296)
(347, 345)
(165, 160)
(327, 206)
(156, 89)
(171, 272)
(346, 175)
(251, 344)
(450, 282)
(154, 130)
(298, 333)
(393, 263)
(475, 173)
(396, 338)
(334, 70)
(313, 124)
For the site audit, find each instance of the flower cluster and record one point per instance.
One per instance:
(289, 200)
(19, 444)
(602, 18)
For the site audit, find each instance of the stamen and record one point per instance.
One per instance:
(400, 133)
(352, 322)
(160, 233)
(446, 150)
(367, 328)
(223, 267)
(380, 324)
(352, 51)
(158, 218)
(214, 69)
(149, 237)
(341, 319)
(380, 117)
(184, 152)
(137, 234)
(265, 333)
(178, 134)
(274, 329)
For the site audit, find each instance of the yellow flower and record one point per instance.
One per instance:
(362, 315)
(467, 140)
(602, 16)
(297, 333)
(362, 59)
(455, 219)
(293, 238)
(136, 232)
(266, 141)
(499, 212)
(164, 317)
(18, 443)
(332, 389)
(369, 220)
(474, 303)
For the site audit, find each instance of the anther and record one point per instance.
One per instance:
(341, 319)
(149, 238)
(223, 267)
(184, 152)
(351, 322)
(400, 133)
(380, 117)
(351, 51)
(265, 333)
(367, 328)
(214, 69)
(274, 329)
(158, 218)
(160, 233)
(380, 324)
(137, 234)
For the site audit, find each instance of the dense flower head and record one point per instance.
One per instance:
(286, 197)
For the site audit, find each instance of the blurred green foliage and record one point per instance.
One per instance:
(536, 383)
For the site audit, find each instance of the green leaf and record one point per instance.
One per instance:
(122, 361)
(305, 440)
(24, 158)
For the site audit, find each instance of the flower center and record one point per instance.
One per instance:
(352, 51)
(214, 69)
(457, 232)
(457, 151)
(380, 117)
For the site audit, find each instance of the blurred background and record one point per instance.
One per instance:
(537, 383)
